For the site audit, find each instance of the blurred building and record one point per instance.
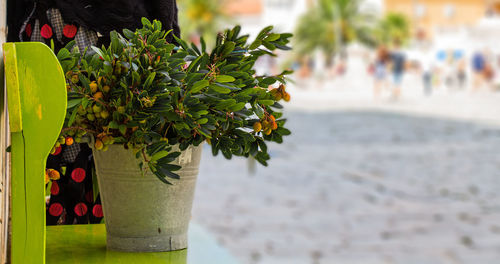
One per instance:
(244, 7)
(431, 17)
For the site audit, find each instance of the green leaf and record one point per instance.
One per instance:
(161, 176)
(72, 118)
(219, 89)
(113, 125)
(272, 37)
(159, 155)
(203, 45)
(128, 34)
(283, 131)
(237, 107)
(258, 110)
(255, 44)
(123, 129)
(227, 48)
(145, 22)
(63, 54)
(74, 102)
(266, 102)
(225, 103)
(202, 121)
(149, 80)
(224, 78)
(197, 86)
(264, 31)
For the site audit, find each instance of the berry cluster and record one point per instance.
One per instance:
(280, 93)
(51, 174)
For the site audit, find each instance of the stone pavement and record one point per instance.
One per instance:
(363, 181)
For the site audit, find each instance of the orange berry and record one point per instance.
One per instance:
(267, 131)
(106, 88)
(98, 96)
(272, 118)
(47, 179)
(54, 175)
(286, 97)
(98, 144)
(69, 141)
(275, 126)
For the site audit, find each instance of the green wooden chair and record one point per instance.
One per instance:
(36, 94)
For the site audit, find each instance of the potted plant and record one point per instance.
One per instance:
(147, 106)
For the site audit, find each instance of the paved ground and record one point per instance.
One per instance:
(415, 181)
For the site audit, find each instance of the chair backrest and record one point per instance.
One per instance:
(37, 100)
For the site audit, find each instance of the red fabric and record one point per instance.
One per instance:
(46, 31)
(80, 209)
(28, 30)
(55, 209)
(69, 31)
(78, 175)
(89, 196)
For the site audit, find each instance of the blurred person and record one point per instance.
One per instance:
(478, 66)
(461, 74)
(341, 67)
(380, 71)
(398, 60)
(489, 75)
(427, 67)
(306, 66)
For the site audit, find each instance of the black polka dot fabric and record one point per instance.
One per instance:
(72, 200)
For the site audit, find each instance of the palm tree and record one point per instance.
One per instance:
(394, 26)
(332, 24)
(201, 18)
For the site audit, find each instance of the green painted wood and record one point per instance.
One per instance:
(86, 244)
(12, 84)
(41, 88)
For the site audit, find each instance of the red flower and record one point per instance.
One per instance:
(69, 31)
(28, 30)
(46, 31)
(80, 209)
(78, 175)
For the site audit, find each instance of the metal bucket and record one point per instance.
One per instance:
(143, 214)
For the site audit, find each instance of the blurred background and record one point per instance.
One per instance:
(395, 115)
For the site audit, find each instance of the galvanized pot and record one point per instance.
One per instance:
(143, 214)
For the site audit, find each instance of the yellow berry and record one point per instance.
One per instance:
(257, 127)
(93, 87)
(104, 114)
(106, 88)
